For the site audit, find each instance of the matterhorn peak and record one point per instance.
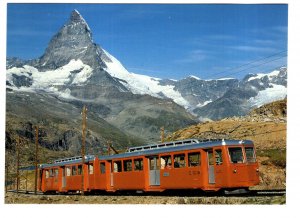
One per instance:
(75, 16)
(73, 45)
(73, 41)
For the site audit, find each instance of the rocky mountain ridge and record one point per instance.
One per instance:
(251, 92)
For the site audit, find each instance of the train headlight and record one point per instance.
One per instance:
(234, 171)
(257, 170)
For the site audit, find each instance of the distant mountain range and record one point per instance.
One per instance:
(75, 71)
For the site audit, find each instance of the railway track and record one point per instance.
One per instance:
(181, 193)
(275, 192)
(253, 197)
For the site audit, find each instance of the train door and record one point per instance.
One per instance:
(211, 167)
(106, 176)
(101, 180)
(220, 175)
(154, 171)
(41, 179)
(55, 179)
(111, 166)
(63, 182)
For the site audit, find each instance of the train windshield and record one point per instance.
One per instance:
(236, 155)
(250, 154)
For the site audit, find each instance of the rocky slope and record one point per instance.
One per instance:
(274, 110)
(60, 125)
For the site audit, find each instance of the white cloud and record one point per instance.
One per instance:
(194, 56)
(250, 48)
(282, 29)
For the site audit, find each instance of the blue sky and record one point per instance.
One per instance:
(166, 41)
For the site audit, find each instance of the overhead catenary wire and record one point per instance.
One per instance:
(249, 63)
(251, 67)
(212, 76)
(230, 74)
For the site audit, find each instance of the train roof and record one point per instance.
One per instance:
(191, 144)
(70, 160)
(152, 149)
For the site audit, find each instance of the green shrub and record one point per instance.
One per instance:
(276, 157)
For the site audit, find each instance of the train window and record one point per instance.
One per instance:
(47, 174)
(154, 163)
(68, 171)
(117, 166)
(236, 155)
(179, 160)
(194, 159)
(102, 168)
(79, 169)
(127, 165)
(250, 155)
(138, 164)
(51, 172)
(210, 158)
(218, 157)
(74, 171)
(55, 172)
(91, 168)
(165, 162)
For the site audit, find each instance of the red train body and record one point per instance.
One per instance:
(187, 164)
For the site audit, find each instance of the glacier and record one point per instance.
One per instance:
(142, 84)
(277, 92)
(75, 73)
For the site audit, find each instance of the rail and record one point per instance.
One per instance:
(186, 193)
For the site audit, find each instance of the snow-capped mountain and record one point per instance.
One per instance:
(71, 60)
(193, 93)
(253, 91)
(73, 67)
(190, 92)
(75, 71)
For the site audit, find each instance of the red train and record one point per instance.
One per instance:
(187, 164)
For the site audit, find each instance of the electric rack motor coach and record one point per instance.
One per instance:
(187, 164)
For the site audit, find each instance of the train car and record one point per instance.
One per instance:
(67, 176)
(186, 164)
